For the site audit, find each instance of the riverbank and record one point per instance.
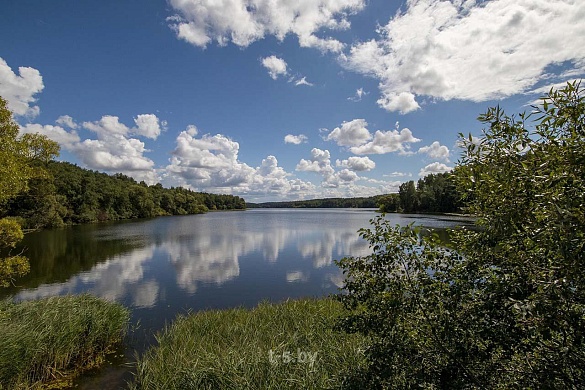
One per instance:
(49, 341)
(273, 346)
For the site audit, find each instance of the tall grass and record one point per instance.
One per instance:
(50, 339)
(231, 349)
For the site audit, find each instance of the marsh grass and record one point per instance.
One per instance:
(49, 340)
(230, 349)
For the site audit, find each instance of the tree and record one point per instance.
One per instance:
(407, 196)
(504, 306)
(20, 157)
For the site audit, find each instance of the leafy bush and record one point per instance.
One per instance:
(505, 308)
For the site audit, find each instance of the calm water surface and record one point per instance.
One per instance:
(170, 265)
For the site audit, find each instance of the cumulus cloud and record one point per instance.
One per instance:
(208, 161)
(115, 150)
(66, 121)
(350, 133)
(211, 163)
(147, 125)
(243, 22)
(67, 139)
(276, 66)
(19, 89)
(436, 150)
(387, 142)
(295, 139)
(347, 175)
(471, 50)
(320, 162)
(355, 135)
(359, 94)
(357, 164)
(435, 167)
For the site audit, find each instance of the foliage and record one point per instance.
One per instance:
(434, 193)
(21, 160)
(505, 308)
(45, 340)
(73, 195)
(370, 202)
(231, 349)
(11, 266)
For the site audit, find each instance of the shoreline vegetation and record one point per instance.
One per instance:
(69, 195)
(287, 345)
(432, 194)
(48, 342)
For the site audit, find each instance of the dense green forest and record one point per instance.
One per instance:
(371, 202)
(435, 193)
(69, 194)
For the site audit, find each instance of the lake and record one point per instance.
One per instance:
(170, 265)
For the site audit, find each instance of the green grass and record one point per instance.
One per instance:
(49, 340)
(230, 349)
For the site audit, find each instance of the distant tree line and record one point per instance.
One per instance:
(68, 194)
(371, 202)
(435, 193)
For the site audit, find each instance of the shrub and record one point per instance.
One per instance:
(505, 308)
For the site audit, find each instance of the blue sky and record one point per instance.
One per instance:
(278, 100)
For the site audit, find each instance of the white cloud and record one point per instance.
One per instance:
(435, 167)
(398, 174)
(115, 151)
(107, 125)
(320, 162)
(210, 163)
(471, 50)
(243, 22)
(295, 139)
(67, 139)
(436, 150)
(276, 66)
(347, 175)
(303, 81)
(19, 89)
(66, 121)
(350, 133)
(355, 135)
(387, 142)
(359, 94)
(147, 125)
(357, 164)
(117, 154)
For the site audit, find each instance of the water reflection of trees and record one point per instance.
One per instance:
(121, 278)
(117, 263)
(57, 255)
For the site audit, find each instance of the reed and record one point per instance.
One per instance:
(268, 347)
(51, 339)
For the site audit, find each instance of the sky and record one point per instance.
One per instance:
(275, 100)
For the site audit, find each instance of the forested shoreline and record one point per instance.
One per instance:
(434, 193)
(68, 194)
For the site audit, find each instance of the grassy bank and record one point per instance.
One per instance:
(50, 339)
(273, 346)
